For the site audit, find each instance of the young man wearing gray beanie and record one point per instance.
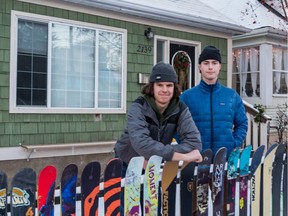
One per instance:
(154, 118)
(218, 111)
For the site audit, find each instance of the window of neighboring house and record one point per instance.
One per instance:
(67, 67)
(280, 70)
(245, 76)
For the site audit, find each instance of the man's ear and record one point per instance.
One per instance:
(199, 68)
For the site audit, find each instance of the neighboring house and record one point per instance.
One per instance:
(260, 57)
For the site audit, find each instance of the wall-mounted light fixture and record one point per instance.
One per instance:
(149, 34)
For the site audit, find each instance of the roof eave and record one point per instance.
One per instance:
(164, 16)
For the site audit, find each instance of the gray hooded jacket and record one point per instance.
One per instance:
(145, 135)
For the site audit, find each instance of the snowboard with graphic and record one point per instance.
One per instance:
(3, 193)
(23, 193)
(151, 186)
(255, 179)
(187, 188)
(218, 181)
(90, 180)
(277, 180)
(231, 178)
(203, 183)
(243, 180)
(266, 180)
(46, 190)
(68, 190)
(112, 187)
(169, 178)
(132, 186)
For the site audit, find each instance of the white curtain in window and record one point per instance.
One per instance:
(277, 68)
(254, 68)
(242, 63)
(285, 59)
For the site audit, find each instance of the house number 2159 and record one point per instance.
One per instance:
(144, 49)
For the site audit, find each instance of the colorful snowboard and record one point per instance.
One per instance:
(151, 186)
(266, 180)
(23, 193)
(169, 178)
(68, 190)
(255, 179)
(132, 190)
(218, 179)
(46, 189)
(3, 193)
(277, 180)
(90, 180)
(112, 187)
(243, 180)
(187, 189)
(203, 183)
(232, 171)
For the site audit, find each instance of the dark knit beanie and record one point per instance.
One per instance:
(163, 72)
(210, 52)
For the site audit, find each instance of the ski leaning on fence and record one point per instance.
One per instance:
(46, 189)
(169, 178)
(132, 191)
(68, 190)
(203, 183)
(218, 178)
(187, 189)
(23, 193)
(3, 193)
(266, 181)
(255, 179)
(112, 187)
(151, 186)
(277, 180)
(232, 170)
(90, 180)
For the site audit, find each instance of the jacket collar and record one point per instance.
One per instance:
(209, 87)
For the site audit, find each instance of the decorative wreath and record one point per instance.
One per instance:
(181, 61)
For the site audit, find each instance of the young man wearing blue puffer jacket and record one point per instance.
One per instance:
(217, 111)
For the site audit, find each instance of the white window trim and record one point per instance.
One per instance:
(15, 15)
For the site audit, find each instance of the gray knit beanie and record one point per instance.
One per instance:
(163, 72)
(210, 52)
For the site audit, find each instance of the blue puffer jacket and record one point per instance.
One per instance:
(219, 114)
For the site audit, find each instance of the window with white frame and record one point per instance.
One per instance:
(245, 76)
(64, 66)
(280, 70)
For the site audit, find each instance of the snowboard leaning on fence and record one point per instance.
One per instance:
(203, 183)
(112, 187)
(232, 170)
(169, 178)
(68, 190)
(90, 180)
(187, 189)
(132, 190)
(23, 193)
(3, 193)
(46, 189)
(218, 178)
(151, 186)
(243, 180)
